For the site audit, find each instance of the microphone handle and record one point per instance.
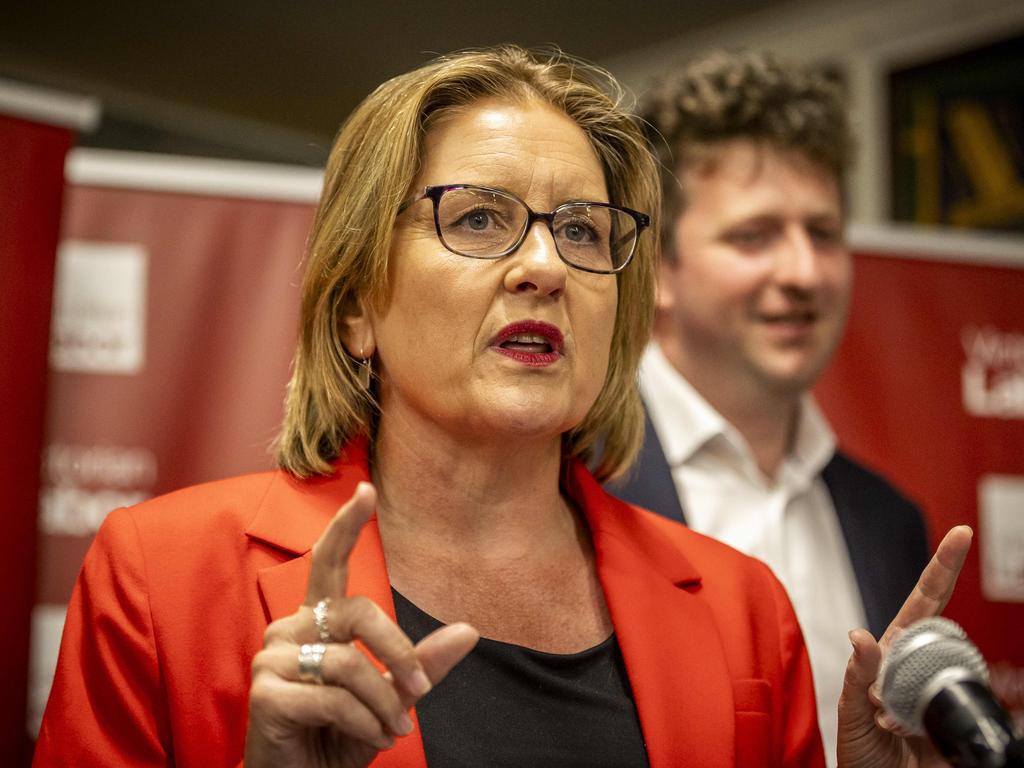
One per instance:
(967, 725)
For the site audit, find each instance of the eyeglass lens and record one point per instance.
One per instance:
(486, 224)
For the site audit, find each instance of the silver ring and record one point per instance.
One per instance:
(311, 655)
(320, 619)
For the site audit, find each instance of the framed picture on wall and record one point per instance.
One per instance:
(957, 139)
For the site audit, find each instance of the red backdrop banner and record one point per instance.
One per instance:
(31, 184)
(928, 387)
(174, 324)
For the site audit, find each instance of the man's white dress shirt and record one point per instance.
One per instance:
(787, 521)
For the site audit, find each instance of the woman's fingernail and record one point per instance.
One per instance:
(384, 742)
(403, 726)
(419, 683)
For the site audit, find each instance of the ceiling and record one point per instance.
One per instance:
(289, 72)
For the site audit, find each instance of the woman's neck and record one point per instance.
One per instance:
(464, 521)
(438, 486)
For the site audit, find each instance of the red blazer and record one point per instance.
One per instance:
(175, 593)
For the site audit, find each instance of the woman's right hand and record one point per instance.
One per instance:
(358, 711)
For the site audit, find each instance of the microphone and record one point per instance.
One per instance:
(934, 681)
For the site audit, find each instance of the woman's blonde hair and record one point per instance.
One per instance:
(370, 172)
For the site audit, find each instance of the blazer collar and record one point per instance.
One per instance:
(291, 518)
(294, 512)
(668, 637)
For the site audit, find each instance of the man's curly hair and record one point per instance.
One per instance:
(752, 95)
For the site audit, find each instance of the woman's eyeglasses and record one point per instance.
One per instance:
(486, 223)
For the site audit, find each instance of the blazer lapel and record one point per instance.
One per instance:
(368, 576)
(291, 518)
(886, 558)
(669, 640)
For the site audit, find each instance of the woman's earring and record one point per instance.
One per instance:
(363, 374)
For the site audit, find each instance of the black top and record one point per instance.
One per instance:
(506, 705)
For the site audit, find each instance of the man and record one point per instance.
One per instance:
(754, 288)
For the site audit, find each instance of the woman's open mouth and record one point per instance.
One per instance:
(530, 342)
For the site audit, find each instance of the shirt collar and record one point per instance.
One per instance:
(814, 444)
(686, 422)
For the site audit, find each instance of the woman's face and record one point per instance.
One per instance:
(511, 346)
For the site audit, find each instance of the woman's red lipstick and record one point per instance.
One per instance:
(530, 342)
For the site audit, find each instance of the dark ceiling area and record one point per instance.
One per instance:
(294, 70)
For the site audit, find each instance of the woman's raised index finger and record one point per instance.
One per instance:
(935, 586)
(328, 575)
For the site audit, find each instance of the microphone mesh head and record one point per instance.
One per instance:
(921, 652)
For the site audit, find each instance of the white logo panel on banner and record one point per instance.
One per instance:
(83, 483)
(99, 308)
(1001, 520)
(47, 626)
(992, 379)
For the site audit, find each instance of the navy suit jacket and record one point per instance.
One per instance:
(884, 531)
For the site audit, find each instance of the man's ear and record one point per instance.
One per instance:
(356, 327)
(664, 297)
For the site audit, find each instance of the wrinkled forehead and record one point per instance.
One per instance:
(526, 146)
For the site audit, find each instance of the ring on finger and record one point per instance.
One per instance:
(320, 619)
(311, 656)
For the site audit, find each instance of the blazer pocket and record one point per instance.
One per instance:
(753, 703)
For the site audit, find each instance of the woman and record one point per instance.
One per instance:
(479, 247)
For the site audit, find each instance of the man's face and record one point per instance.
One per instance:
(759, 291)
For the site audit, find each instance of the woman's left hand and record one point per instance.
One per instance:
(867, 737)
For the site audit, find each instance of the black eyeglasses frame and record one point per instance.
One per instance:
(435, 192)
